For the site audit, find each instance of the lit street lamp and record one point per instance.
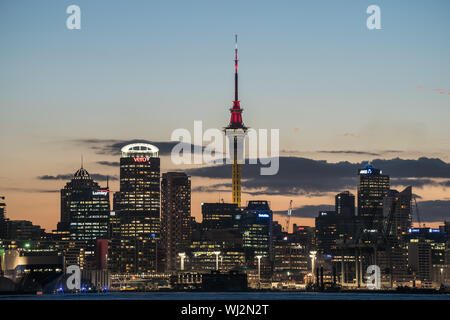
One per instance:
(259, 269)
(182, 256)
(217, 259)
(312, 255)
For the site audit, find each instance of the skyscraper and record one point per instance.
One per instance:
(175, 216)
(397, 211)
(396, 223)
(139, 180)
(85, 209)
(327, 231)
(2, 217)
(256, 226)
(427, 255)
(137, 204)
(345, 204)
(235, 133)
(373, 186)
(220, 215)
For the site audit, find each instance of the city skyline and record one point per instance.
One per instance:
(146, 151)
(368, 116)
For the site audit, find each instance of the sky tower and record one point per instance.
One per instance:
(236, 132)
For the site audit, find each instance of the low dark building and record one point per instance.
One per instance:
(231, 281)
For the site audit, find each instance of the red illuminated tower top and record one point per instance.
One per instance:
(236, 111)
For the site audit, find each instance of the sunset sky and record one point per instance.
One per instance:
(340, 94)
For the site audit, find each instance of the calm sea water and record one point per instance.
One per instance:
(229, 296)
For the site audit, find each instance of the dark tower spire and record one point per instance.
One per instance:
(236, 72)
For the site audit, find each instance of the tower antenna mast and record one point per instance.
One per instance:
(236, 88)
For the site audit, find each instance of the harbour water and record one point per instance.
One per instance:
(228, 296)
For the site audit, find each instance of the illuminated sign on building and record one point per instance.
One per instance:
(368, 171)
(140, 159)
(100, 192)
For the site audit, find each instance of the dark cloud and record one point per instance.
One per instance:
(109, 163)
(301, 176)
(349, 152)
(308, 211)
(225, 187)
(113, 146)
(103, 177)
(32, 190)
(430, 211)
(433, 211)
(69, 176)
(349, 134)
(393, 151)
(296, 176)
(420, 168)
(418, 182)
(221, 187)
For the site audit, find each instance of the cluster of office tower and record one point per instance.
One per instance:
(149, 230)
(380, 232)
(150, 222)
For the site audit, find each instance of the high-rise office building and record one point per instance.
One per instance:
(290, 260)
(419, 260)
(85, 209)
(327, 224)
(373, 186)
(256, 226)
(446, 229)
(139, 180)
(220, 215)
(2, 217)
(397, 212)
(345, 204)
(304, 235)
(135, 248)
(396, 223)
(427, 255)
(175, 216)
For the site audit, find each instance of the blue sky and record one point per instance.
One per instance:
(165, 59)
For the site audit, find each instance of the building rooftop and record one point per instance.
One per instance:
(139, 149)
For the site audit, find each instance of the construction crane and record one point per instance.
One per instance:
(417, 212)
(288, 221)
